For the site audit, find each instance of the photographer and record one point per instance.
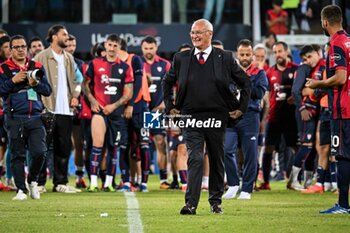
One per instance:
(22, 83)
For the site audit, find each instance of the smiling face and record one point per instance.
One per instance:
(201, 34)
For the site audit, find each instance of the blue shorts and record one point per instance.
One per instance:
(117, 133)
(325, 127)
(340, 140)
(275, 130)
(155, 132)
(136, 129)
(175, 141)
(308, 130)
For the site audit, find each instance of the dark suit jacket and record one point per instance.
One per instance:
(226, 70)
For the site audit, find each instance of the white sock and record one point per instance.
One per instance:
(93, 181)
(295, 173)
(334, 185)
(205, 180)
(308, 176)
(139, 179)
(108, 181)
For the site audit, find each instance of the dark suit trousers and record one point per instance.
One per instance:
(214, 140)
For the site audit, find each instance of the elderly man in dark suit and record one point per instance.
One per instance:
(205, 77)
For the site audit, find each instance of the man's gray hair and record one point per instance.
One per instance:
(208, 25)
(260, 46)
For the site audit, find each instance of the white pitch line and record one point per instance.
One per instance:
(134, 217)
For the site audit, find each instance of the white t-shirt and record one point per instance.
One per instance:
(62, 102)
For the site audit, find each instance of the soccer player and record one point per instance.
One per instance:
(178, 156)
(246, 130)
(323, 142)
(112, 83)
(134, 110)
(280, 120)
(338, 71)
(307, 113)
(156, 67)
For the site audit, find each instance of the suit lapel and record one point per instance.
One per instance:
(187, 62)
(217, 58)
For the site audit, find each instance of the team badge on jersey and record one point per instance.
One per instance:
(159, 68)
(120, 70)
(290, 75)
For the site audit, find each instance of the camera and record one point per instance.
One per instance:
(35, 74)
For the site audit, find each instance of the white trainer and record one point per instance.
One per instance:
(231, 192)
(34, 191)
(62, 188)
(20, 196)
(297, 186)
(71, 188)
(42, 189)
(244, 196)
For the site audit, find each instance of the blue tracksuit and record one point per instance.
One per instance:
(246, 132)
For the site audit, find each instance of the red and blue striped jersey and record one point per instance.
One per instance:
(280, 86)
(108, 80)
(157, 70)
(339, 58)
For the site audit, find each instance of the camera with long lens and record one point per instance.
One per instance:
(36, 74)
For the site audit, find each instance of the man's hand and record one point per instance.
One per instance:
(19, 77)
(74, 102)
(173, 112)
(33, 82)
(290, 100)
(108, 109)
(95, 106)
(236, 114)
(160, 107)
(313, 83)
(128, 112)
(307, 91)
(305, 115)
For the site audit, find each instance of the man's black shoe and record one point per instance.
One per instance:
(174, 185)
(216, 209)
(188, 210)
